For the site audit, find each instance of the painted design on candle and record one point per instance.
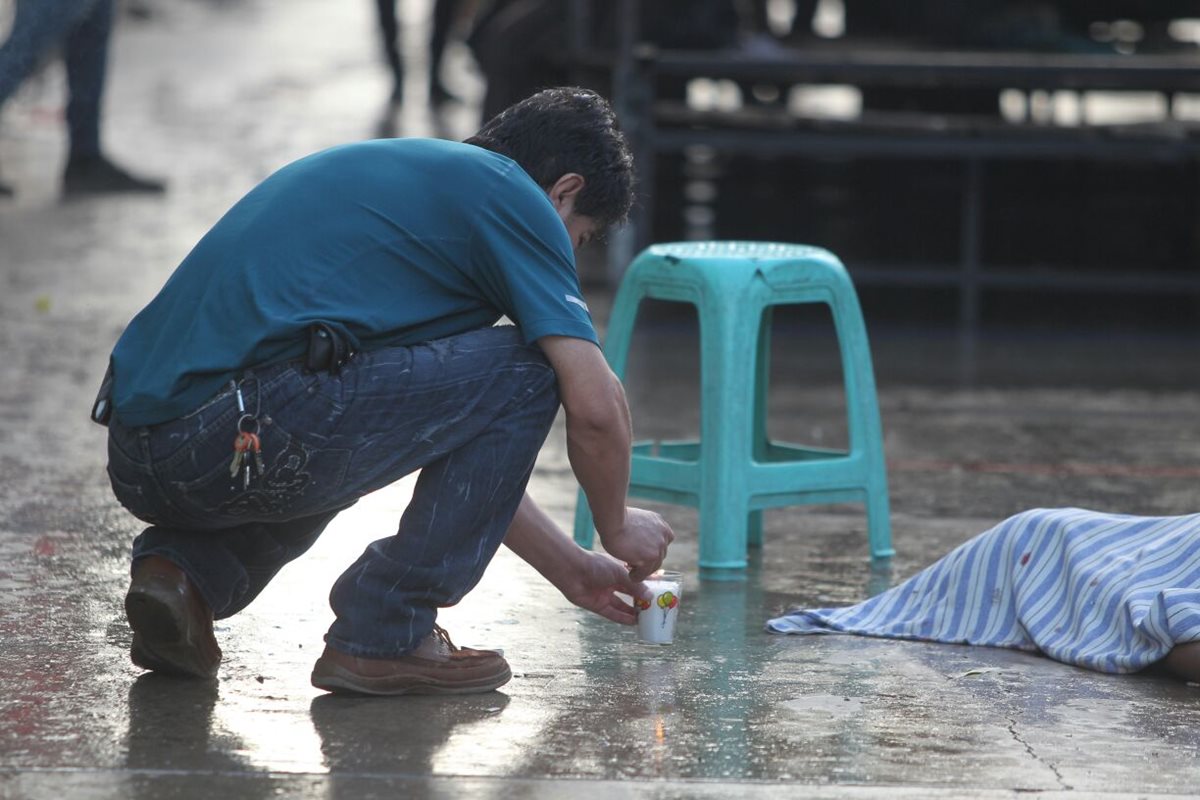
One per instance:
(666, 601)
(656, 615)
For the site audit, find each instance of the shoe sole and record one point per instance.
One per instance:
(160, 638)
(340, 681)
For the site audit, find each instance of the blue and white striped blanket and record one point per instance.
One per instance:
(1108, 592)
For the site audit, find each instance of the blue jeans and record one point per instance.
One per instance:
(470, 411)
(83, 28)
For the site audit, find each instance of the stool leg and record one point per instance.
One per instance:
(621, 322)
(722, 533)
(762, 442)
(879, 522)
(727, 411)
(866, 430)
(754, 529)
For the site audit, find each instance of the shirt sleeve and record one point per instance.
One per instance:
(524, 264)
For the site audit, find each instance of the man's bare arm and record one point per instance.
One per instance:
(599, 438)
(589, 580)
(599, 434)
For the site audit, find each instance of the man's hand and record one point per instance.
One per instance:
(641, 542)
(588, 579)
(594, 586)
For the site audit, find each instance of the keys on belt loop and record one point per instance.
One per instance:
(247, 448)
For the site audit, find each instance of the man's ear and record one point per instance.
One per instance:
(565, 190)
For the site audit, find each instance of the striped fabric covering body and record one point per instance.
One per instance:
(1108, 592)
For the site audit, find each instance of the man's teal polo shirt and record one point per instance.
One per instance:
(394, 241)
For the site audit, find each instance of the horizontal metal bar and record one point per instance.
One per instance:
(884, 67)
(939, 145)
(1084, 279)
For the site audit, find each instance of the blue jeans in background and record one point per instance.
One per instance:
(470, 411)
(83, 28)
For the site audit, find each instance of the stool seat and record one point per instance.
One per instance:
(734, 470)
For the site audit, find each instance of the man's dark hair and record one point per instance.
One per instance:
(567, 129)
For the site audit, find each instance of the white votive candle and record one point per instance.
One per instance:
(656, 617)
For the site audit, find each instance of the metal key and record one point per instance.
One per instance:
(240, 460)
(259, 467)
(247, 448)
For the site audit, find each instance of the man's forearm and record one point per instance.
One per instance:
(539, 542)
(589, 579)
(599, 434)
(599, 454)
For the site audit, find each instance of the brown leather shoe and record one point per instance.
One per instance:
(437, 666)
(172, 625)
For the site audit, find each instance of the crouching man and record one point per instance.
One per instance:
(334, 332)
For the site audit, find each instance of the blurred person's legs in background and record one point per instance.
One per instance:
(84, 29)
(389, 31)
(445, 13)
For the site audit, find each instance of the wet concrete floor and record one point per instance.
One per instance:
(214, 96)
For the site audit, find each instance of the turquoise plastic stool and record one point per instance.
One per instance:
(735, 471)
